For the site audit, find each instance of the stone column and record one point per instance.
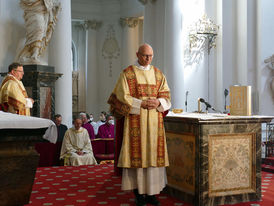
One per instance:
(60, 57)
(241, 42)
(130, 41)
(173, 58)
(92, 94)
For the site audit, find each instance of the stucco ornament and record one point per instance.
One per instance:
(110, 48)
(271, 77)
(40, 19)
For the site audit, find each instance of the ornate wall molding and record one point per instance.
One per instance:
(89, 24)
(110, 48)
(129, 21)
(144, 2)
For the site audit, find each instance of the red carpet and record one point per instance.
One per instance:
(96, 185)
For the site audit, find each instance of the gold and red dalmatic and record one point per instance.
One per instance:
(13, 101)
(141, 91)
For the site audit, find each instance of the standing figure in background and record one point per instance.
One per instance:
(140, 97)
(107, 130)
(92, 122)
(101, 121)
(13, 95)
(40, 20)
(76, 146)
(61, 128)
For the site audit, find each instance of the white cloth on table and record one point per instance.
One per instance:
(15, 121)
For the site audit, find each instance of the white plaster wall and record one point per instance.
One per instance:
(267, 49)
(196, 73)
(12, 30)
(229, 47)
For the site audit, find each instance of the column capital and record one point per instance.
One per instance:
(129, 21)
(93, 24)
(89, 24)
(144, 2)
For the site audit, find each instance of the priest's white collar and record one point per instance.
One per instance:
(141, 67)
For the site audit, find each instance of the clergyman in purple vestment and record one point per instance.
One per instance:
(107, 130)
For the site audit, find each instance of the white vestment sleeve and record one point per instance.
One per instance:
(165, 105)
(51, 134)
(136, 106)
(28, 103)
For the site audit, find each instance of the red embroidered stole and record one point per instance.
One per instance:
(138, 91)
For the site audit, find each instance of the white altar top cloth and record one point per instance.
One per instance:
(15, 121)
(214, 116)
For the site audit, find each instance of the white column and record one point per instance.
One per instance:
(92, 95)
(130, 41)
(218, 86)
(257, 103)
(241, 42)
(61, 58)
(174, 52)
(154, 30)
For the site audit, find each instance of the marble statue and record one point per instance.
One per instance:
(40, 19)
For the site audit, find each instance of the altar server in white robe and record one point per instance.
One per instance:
(76, 147)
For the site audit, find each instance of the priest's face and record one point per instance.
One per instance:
(58, 121)
(145, 55)
(18, 73)
(77, 124)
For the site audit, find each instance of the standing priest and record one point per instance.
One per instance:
(13, 95)
(140, 97)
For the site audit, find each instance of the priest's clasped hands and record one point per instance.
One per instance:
(150, 104)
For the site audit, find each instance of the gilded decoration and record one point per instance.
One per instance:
(110, 48)
(181, 153)
(131, 22)
(232, 164)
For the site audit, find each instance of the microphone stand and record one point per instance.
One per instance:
(225, 93)
(186, 100)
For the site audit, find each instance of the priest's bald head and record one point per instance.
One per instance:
(144, 54)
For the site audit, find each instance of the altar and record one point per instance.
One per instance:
(214, 159)
(18, 158)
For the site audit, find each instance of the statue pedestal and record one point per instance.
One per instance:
(39, 81)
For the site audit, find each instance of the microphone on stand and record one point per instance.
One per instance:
(186, 100)
(225, 93)
(207, 105)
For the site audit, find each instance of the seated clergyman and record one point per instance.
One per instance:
(76, 147)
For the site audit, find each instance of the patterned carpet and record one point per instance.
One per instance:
(96, 185)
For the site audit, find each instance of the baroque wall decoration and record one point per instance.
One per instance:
(110, 48)
(202, 38)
